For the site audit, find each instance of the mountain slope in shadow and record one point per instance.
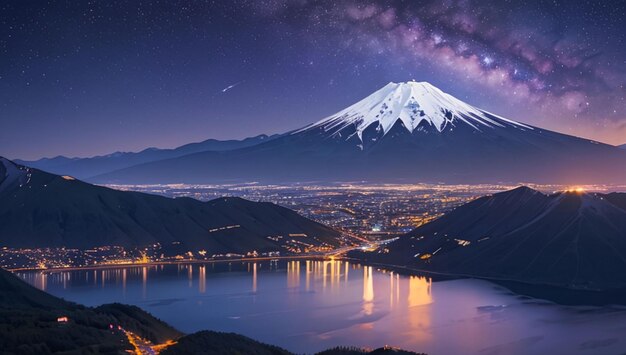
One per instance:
(29, 325)
(572, 239)
(38, 209)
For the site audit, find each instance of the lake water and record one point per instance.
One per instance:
(307, 306)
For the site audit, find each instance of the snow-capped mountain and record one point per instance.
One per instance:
(416, 106)
(408, 131)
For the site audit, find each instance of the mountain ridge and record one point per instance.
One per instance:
(91, 166)
(569, 239)
(39, 209)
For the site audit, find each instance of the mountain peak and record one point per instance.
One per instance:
(423, 85)
(416, 105)
(522, 189)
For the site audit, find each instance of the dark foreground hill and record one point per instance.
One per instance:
(38, 209)
(569, 239)
(29, 325)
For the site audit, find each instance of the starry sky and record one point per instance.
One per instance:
(81, 78)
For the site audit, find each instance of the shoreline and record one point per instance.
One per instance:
(557, 294)
(157, 263)
(553, 293)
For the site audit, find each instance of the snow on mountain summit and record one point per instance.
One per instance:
(415, 104)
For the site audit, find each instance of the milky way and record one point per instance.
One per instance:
(82, 78)
(529, 52)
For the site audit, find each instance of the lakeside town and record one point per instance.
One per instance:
(363, 213)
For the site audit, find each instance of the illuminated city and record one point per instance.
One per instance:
(363, 212)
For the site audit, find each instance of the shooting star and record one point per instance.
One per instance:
(231, 86)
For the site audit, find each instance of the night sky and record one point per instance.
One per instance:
(81, 78)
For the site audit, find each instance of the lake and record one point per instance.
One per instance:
(307, 306)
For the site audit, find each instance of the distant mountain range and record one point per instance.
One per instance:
(39, 209)
(29, 325)
(569, 239)
(408, 131)
(88, 167)
(623, 146)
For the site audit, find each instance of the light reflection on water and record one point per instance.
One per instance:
(306, 306)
